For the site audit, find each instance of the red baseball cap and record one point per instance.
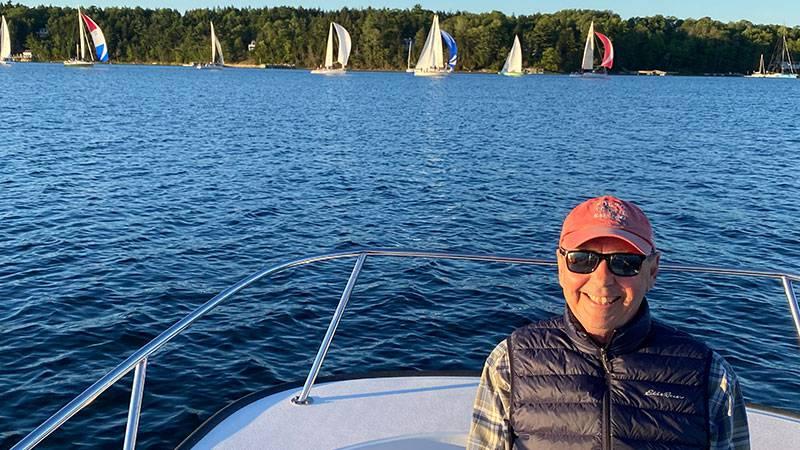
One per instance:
(607, 216)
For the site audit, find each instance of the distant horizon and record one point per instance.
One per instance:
(769, 12)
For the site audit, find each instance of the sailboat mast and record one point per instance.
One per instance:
(410, 43)
(82, 35)
(788, 56)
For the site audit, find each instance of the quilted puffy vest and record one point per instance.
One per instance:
(646, 389)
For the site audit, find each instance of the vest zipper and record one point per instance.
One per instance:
(606, 399)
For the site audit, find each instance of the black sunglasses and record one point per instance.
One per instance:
(586, 261)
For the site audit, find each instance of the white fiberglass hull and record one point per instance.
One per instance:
(787, 76)
(430, 73)
(589, 75)
(329, 71)
(511, 74)
(78, 63)
(398, 413)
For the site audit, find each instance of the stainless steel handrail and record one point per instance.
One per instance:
(141, 355)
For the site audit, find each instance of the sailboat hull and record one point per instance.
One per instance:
(589, 75)
(339, 71)
(78, 63)
(511, 74)
(787, 76)
(430, 73)
(210, 66)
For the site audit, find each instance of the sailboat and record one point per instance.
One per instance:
(588, 69)
(762, 71)
(101, 50)
(408, 67)
(431, 60)
(217, 59)
(780, 66)
(513, 65)
(343, 54)
(5, 43)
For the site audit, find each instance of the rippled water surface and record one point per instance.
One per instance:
(131, 195)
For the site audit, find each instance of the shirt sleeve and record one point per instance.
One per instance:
(490, 415)
(727, 412)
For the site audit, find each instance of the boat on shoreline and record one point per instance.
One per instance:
(343, 53)
(101, 51)
(399, 410)
(588, 68)
(780, 66)
(513, 64)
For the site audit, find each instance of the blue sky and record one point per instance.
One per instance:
(781, 12)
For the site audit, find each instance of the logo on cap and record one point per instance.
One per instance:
(612, 210)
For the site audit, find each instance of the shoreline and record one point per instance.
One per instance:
(250, 65)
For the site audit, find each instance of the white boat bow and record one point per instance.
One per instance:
(426, 411)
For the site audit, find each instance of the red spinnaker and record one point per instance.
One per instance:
(608, 55)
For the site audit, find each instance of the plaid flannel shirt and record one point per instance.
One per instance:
(490, 416)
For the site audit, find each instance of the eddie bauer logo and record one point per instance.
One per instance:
(652, 393)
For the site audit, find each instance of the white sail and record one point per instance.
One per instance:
(432, 56)
(82, 36)
(588, 50)
(5, 40)
(329, 49)
(514, 61)
(344, 44)
(216, 49)
(220, 58)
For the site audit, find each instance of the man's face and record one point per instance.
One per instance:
(602, 301)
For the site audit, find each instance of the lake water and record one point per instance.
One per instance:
(130, 195)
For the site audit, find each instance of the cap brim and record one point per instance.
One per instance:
(575, 239)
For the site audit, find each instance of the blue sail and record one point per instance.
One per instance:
(452, 48)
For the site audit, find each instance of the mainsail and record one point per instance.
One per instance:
(97, 37)
(432, 56)
(5, 40)
(452, 49)
(514, 61)
(588, 50)
(216, 49)
(329, 48)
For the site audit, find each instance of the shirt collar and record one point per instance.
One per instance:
(625, 339)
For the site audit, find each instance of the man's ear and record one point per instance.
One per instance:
(653, 270)
(561, 267)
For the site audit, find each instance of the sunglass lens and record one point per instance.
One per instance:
(626, 265)
(582, 262)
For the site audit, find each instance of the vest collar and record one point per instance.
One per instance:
(625, 339)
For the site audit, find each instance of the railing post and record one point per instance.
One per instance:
(788, 288)
(303, 398)
(135, 409)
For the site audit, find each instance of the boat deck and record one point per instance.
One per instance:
(399, 413)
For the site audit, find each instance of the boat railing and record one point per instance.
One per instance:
(138, 360)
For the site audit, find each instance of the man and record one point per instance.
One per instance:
(605, 374)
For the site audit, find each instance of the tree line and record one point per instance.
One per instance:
(297, 36)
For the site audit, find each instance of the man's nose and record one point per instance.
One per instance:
(602, 275)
